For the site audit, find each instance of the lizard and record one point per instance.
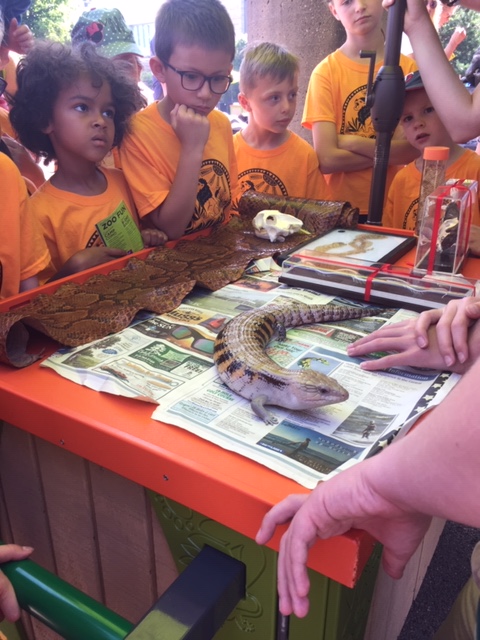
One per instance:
(242, 364)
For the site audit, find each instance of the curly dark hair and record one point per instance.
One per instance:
(51, 67)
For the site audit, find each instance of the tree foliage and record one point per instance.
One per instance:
(53, 19)
(470, 20)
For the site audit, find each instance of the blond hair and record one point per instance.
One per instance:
(266, 59)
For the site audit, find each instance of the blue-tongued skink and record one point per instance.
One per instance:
(244, 367)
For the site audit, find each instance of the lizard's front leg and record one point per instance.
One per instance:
(258, 406)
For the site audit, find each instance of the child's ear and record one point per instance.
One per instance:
(243, 100)
(333, 11)
(158, 68)
(48, 129)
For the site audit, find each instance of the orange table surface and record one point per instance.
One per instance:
(119, 434)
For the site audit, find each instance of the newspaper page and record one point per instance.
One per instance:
(167, 359)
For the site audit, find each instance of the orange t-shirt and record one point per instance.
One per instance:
(23, 252)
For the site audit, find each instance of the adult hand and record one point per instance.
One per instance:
(458, 36)
(192, 128)
(19, 37)
(415, 13)
(348, 500)
(9, 608)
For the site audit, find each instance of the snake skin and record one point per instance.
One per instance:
(79, 313)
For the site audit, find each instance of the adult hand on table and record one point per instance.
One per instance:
(349, 500)
(9, 608)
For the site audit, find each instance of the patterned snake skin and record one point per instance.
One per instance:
(79, 313)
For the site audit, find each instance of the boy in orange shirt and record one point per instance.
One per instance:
(179, 159)
(335, 110)
(423, 128)
(271, 158)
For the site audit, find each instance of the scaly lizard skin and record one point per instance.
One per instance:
(243, 365)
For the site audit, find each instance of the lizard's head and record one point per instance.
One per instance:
(312, 389)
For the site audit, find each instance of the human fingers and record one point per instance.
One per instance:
(153, 237)
(389, 338)
(293, 583)
(423, 322)
(14, 552)
(191, 127)
(8, 602)
(279, 514)
(9, 608)
(452, 329)
(403, 359)
(19, 38)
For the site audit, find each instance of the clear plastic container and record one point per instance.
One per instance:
(433, 176)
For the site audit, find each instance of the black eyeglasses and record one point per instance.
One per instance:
(193, 81)
(3, 85)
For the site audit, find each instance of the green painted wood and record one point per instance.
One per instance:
(336, 612)
(12, 631)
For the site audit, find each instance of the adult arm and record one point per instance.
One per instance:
(457, 108)
(9, 608)
(431, 472)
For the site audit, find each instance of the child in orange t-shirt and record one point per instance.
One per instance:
(335, 109)
(23, 252)
(73, 106)
(270, 157)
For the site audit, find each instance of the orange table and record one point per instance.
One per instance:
(119, 434)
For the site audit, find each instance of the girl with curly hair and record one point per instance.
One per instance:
(73, 106)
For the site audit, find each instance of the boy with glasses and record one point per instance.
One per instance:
(179, 158)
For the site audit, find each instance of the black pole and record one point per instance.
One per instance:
(388, 98)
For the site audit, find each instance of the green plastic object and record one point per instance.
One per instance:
(68, 611)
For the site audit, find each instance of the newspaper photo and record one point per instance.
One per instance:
(168, 360)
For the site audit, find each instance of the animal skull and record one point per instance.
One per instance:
(274, 225)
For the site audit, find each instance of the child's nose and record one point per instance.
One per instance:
(360, 5)
(100, 120)
(205, 91)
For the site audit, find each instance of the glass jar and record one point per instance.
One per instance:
(433, 176)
